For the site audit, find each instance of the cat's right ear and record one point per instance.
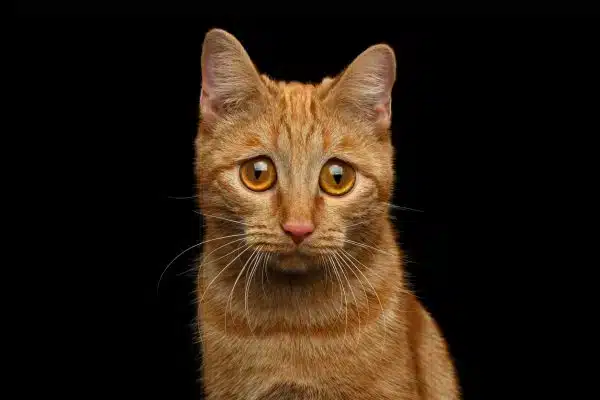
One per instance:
(230, 81)
(364, 89)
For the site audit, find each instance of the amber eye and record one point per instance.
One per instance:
(337, 177)
(258, 174)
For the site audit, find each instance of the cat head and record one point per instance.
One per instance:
(304, 169)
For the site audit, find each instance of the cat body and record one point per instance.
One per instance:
(301, 290)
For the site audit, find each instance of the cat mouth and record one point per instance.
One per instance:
(304, 261)
(294, 263)
(296, 259)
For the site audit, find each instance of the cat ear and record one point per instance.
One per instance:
(364, 89)
(230, 81)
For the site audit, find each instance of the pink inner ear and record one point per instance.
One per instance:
(383, 111)
(206, 107)
(208, 83)
(208, 72)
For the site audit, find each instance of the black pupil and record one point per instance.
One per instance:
(337, 172)
(259, 168)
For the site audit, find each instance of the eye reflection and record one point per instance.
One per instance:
(337, 172)
(259, 168)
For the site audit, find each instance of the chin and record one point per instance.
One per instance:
(295, 263)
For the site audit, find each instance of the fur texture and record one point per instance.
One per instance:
(330, 318)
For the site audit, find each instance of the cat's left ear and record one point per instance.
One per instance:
(364, 89)
(231, 83)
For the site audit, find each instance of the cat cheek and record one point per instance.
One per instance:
(319, 203)
(275, 203)
(318, 211)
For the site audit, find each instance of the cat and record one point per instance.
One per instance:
(300, 290)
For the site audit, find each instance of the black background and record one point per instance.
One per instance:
(111, 114)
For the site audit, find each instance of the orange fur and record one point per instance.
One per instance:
(345, 326)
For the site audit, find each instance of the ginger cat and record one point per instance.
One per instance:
(300, 291)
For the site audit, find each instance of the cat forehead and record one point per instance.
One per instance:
(299, 118)
(296, 120)
(291, 96)
(297, 106)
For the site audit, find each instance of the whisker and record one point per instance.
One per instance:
(328, 273)
(267, 269)
(262, 273)
(405, 257)
(206, 256)
(188, 249)
(352, 266)
(366, 246)
(224, 268)
(369, 243)
(347, 254)
(336, 258)
(351, 225)
(222, 218)
(262, 276)
(227, 305)
(334, 274)
(182, 198)
(345, 299)
(326, 270)
(249, 281)
(402, 208)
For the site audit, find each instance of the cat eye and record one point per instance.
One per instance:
(258, 174)
(337, 177)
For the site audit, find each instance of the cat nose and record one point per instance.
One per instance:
(298, 230)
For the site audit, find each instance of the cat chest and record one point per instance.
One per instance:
(301, 359)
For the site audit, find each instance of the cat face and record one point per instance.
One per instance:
(304, 169)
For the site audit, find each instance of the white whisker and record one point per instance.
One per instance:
(326, 270)
(224, 268)
(222, 218)
(345, 299)
(227, 305)
(188, 249)
(205, 258)
(336, 259)
(374, 291)
(249, 277)
(351, 225)
(182, 198)
(366, 246)
(263, 272)
(403, 208)
(334, 276)
(352, 266)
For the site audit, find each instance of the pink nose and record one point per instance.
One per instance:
(298, 230)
